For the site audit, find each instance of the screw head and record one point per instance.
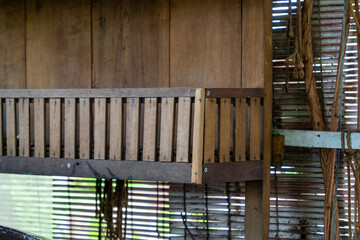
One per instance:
(208, 93)
(69, 165)
(205, 170)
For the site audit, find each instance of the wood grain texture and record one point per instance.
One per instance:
(183, 130)
(116, 122)
(240, 129)
(11, 146)
(198, 137)
(55, 128)
(130, 43)
(100, 128)
(205, 43)
(70, 128)
(84, 128)
(12, 42)
(24, 127)
(224, 130)
(167, 129)
(253, 210)
(255, 129)
(210, 130)
(132, 128)
(1, 128)
(39, 127)
(58, 44)
(150, 131)
(252, 44)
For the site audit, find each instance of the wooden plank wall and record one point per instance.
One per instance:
(128, 43)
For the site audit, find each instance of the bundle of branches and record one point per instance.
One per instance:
(111, 198)
(327, 156)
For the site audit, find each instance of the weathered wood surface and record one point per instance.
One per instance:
(130, 43)
(55, 128)
(167, 129)
(224, 130)
(84, 128)
(1, 128)
(70, 128)
(150, 129)
(116, 113)
(183, 130)
(204, 35)
(132, 128)
(240, 129)
(255, 129)
(210, 130)
(11, 146)
(100, 128)
(24, 127)
(39, 127)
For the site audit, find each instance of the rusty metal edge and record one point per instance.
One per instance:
(233, 171)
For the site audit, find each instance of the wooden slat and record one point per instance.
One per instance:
(210, 125)
(167, 129)
(55, 128)
(240, 129)
(39, 127)
(100, 128)
(70, 128)
(10, 127)
(1, 128)
(24, 127)
(132, 128)
(183, 130)
(198, 137)
(224, 130)
(98, 93)
(255, 128)
(116, 112)
(150, 122)
(84, 128)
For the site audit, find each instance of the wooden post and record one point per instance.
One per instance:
(198, 136)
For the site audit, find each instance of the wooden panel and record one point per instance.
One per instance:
(198, 137)
(255, 128)
(224, 130)
(39, 127)
(210, 125)
(205, 43)
(55, 128)
(253, 210)
(132, 128)
(70, 128)
(10, 127)
(1, 128)
(167, 129)
(24, 127)
(58, 44)
(115, 128)
(12, 42)
(130, 43)
(100, 128)
(84, 128)
(252, 44)
(240, 129)
(150, 122)
(183, 130)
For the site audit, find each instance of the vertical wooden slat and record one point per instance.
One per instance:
(84, 128)
(210, 126)
(100, 128)
(70, 128)
(115, 128)
(167, 129)
(198, 137)
(24, 127)
(224, 132)
(55, 128)
(183, 130)
(255, 128)
(10, 127)
(150, 121)
(39, 127)
(240, 129)
(132, 128)
(1, 128)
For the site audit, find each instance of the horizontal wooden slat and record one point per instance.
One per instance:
(98, 93)
(234, 92)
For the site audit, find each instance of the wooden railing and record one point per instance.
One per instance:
(187, 126)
